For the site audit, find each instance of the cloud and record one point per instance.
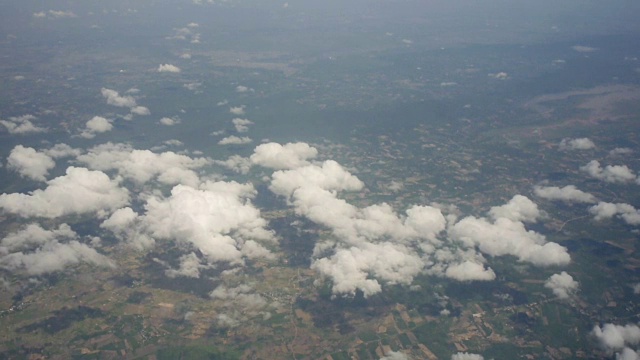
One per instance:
(500, 76)
(169, 121)
(140, 110)
(468, 271)
(562, 285)
(97, 124)
(519, 208)
(613, 337)
(38, 251)
(242, 89)
(241, 125)
(61, 14)
(507, 235)
(604, 210)
(466, 356)
(236, 163)
(22, 125)
(30, 163)
(288, 156)
(621, 151)
(235, 140)
(576, 144)
(568, 194)
(218, 219)
(168, 68)
(583, 49)
(394, 355)
(62, 150)
(114, 98)
(80, 191)
(189, 267)
(237, 110)
(142, 166)
(611, 173)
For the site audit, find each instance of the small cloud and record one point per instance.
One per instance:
(576, 144)
(192, 86)
(568, 194)
(22, 125)
(241, 125)
(40, 14)
(61, 14)
(168, 68)
(97, 124)
(167, 121)
(448, 83)
(140, 110)
(242, 89)
(407, 41)
(237, 110)
(562, 285)
(185, 56)
(500, 76)
(235, 140)
(466, 356)
(583, 49)
(620, 151)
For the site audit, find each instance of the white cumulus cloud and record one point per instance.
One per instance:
(568, 194)
(30, 163)
(562, 285)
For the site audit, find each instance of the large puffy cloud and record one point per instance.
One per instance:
(576, 144)
(470, 270)
(610, 173)
(568, 193)
(143, 165)
(37, 251)
(218, 219)
(80, 191)
(604, 210)
(613, 337)
(22, 125)
(562, 285)
(507, 235)
(288, 156)
(30, 163)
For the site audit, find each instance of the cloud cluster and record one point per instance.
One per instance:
(21, 125)
(505, 234)
(567, 194)
(114, 98)
(562, 285)
(37, 251)
(30, 163)
(618, 338)
(79, 191)
(610, 173)
(576, 144)
(375, 245)
(142, 166)
(604, 210)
